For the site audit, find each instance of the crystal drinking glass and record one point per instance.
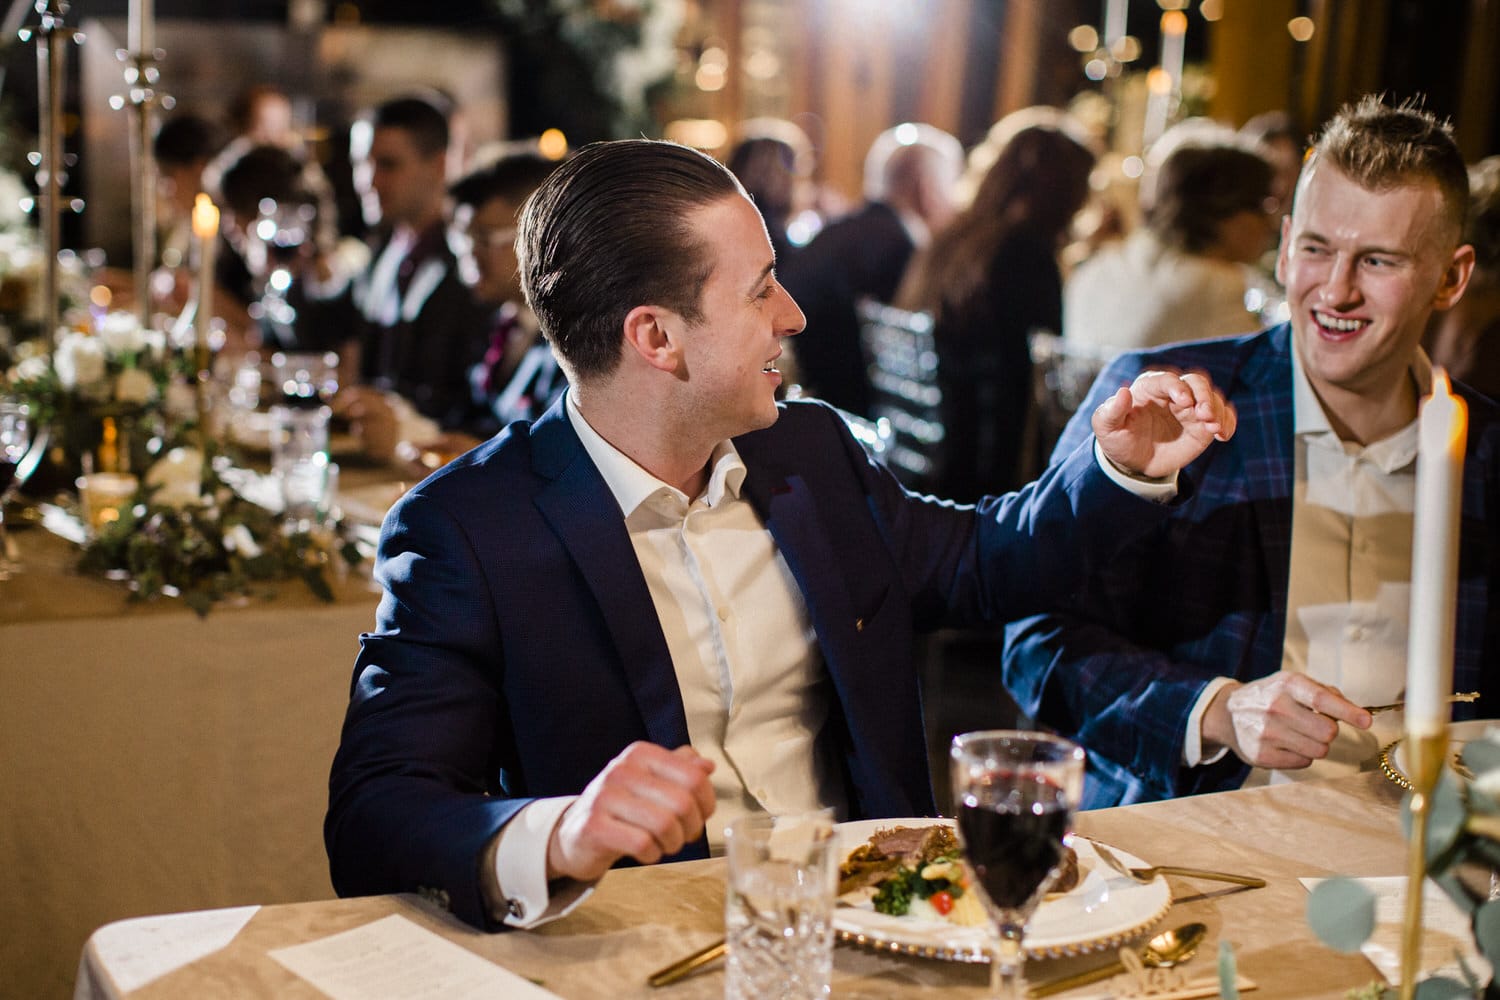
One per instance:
(1015, 793)
(15, 445)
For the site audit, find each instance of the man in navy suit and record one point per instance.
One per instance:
(1250, 660)
(671, 598)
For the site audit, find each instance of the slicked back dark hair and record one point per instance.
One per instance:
(1380, 147)
(423, 120)
(610, 230)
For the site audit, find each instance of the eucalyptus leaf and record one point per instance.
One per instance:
(1229, 973)
(1455, 889)
(1442, 988)
(1341, 912)
(1446, 814)
(1487, 930)
(1481, 755)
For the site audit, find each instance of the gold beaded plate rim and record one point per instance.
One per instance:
(1107, 926)
(1459, 733)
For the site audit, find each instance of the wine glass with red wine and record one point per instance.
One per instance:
(1015, 793)
(15, 441)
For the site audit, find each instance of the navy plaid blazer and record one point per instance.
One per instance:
(1120, 666)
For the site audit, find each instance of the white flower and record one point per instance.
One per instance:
(79, 360)
(121, 333)
(181, 400)
(134, 386)
(238, 539)
(155, 343)
(179, 477)
(30, 369)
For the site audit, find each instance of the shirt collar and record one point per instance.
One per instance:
(632, 485)
(1310, 421)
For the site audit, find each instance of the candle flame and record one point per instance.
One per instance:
(1174, 22)
(1443, 401)
(205, 217)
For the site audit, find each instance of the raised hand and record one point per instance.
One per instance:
(1161, 422)
(1284, 721)
(647, 803)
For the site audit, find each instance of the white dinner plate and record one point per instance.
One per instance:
(1393, 761)
(1104, 911)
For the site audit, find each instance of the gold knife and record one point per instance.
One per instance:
(1081, 979)
(681, 967)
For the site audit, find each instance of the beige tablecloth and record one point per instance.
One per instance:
(641, 919)
(151, 760)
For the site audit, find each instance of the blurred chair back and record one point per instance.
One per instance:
(1061, 375)
(904, 389)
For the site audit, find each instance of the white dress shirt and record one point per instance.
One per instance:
(1349, 588)
(753, 685)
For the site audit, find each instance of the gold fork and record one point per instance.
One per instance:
(1144, 875)
(1467, 696)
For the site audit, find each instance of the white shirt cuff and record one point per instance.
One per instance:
(521, 867)
(1192, 744)
(1155, 490)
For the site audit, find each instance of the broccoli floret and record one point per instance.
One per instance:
(894, 894)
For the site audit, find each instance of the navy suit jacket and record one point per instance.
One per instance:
(517, 651)
(1204, 595)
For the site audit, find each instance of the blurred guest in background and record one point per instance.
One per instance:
(1186, 272)
(1237, 642)
(519, 377)
(413, 325)
(1275, 137)
(988, 280)
(910, 173)
(774, 161)
(185, 145)
(1466, 339)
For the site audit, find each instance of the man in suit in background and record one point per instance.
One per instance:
(518, 377)
(419, 330)
(910, 174)
(671, 598)
(1252, 665)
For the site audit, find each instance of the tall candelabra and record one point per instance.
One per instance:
(52, 37)
(141, 79)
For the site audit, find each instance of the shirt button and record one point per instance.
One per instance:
(723, 614)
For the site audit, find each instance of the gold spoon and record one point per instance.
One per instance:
(1167, 949)
(1144, 875)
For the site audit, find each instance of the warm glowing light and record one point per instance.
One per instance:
(101, 296)
(1084, 38)
(1172, 4)
(762, 64)
(1212, 10)
(715, 57)
(552, 144)
(710, 78)
(700, 133)
(1127, 48)
(205, 217)
(1174, 22)
(1159, 81)
(1095, 69)
(1300, 28)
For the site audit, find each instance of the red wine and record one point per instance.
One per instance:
(7, 473)
(1014, 839)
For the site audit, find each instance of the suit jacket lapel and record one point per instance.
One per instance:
(580, 508)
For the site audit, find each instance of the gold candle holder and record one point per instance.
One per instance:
(1425, 754)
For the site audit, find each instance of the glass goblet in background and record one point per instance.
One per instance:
(1015, 793)
(15, 443)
